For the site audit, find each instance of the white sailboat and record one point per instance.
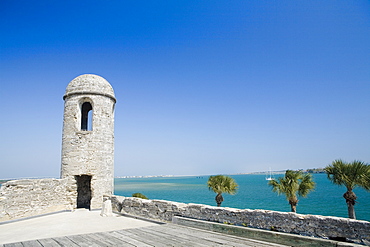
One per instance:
(270, 176)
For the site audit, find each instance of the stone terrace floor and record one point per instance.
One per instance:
(88, 228)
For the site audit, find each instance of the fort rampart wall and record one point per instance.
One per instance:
(30, 197)
(287, 222)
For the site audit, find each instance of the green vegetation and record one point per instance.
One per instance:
(294, 182)
(222, 184)
(316, 170)
(351, 175)
(139, 195)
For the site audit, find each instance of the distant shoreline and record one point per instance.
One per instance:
(314, 170)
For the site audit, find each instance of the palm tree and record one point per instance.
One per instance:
(351, 175)
(293, 183)
(222, 184)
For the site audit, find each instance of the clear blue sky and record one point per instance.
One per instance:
(203, 87)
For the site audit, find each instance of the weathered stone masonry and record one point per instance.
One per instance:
(87, 176)
(30, 197)
(307, 225)
(88, 154)
(87, 157)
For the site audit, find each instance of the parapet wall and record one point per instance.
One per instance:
(30, 197)
(306, 225)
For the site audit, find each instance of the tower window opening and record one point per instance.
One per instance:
(86, 116)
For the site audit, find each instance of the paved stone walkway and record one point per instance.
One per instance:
(158, 235)
(81, 221)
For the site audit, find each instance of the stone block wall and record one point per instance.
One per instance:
(30, 197)
(306, 225)
(89, 152)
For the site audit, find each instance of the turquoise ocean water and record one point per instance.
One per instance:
(253, 193)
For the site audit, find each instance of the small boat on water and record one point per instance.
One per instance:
(269, 176)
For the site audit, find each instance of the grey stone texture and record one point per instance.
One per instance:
(30, 197)
(89, 152)
(306, 225)
(87, 157)
(106, 210)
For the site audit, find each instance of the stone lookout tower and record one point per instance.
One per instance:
(88, 140)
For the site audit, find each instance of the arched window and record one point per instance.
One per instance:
(86, 116)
